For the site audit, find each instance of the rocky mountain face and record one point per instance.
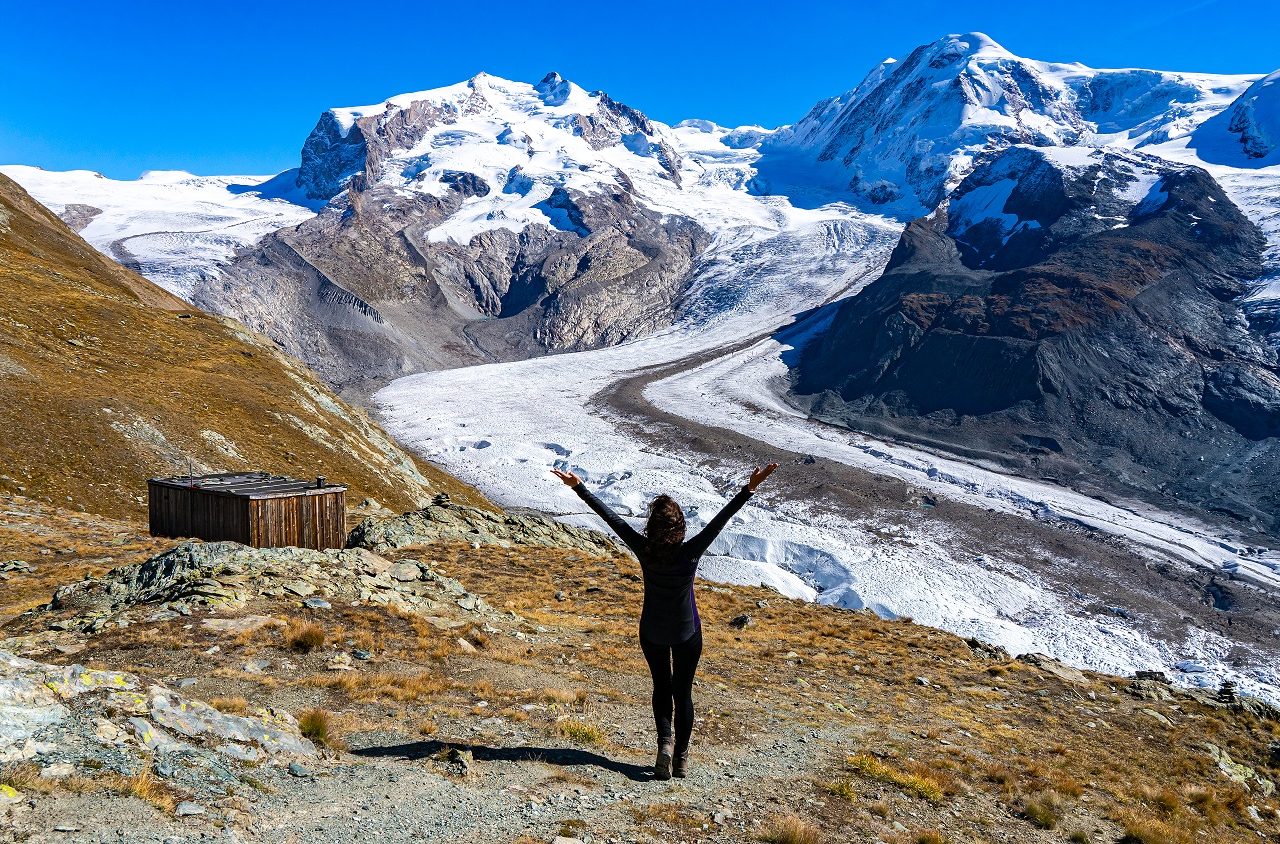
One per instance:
(903, 138)
(106, 380)
(1076, 314)
(484, 221)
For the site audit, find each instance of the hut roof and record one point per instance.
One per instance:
(249, 485)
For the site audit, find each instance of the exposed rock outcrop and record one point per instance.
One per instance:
(70, 720)
(449, 522)
(215, 574)
(1074, 314)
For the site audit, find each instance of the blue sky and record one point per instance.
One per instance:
(235, 87)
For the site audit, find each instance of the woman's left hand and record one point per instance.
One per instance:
(759, 475)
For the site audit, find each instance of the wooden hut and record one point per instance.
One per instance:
(254, 508)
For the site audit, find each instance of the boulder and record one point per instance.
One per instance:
(447, 522)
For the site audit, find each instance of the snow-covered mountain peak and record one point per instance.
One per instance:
(407, 135)
(958, 48)
(909, 131)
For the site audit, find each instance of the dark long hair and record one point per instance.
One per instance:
(665, 528)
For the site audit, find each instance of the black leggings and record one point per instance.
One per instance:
(673, 667)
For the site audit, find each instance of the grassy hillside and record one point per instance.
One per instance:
(106, 380)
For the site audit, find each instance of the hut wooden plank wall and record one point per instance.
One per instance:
(254, 508)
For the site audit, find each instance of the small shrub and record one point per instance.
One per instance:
(1079, 835)
(1044, 809)
(917, 784)
(672, 814)
(230, 705)
(789, 829)
(145, 786)
(1139, 830)
(930, 837)
(317, 725)
(842, 787)
(24, 777)
(304, 636)
(580, 731)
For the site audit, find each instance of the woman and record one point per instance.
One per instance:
(670, 630)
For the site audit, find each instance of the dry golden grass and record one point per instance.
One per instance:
(911, 782)
(1151, 830)
(25, 777)
(304, 636)
(145, 786)
(675, 815)
(789, 829)
(1045, 809)
(378, 686)
(842, 787)
(318, 725)
(234, 705)
(581, 732)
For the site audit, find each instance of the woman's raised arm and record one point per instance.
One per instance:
(625, 532)
(700, 543)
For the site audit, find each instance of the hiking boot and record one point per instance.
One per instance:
(680, 768)
(662, 765)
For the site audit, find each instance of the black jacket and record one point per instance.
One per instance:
(670, 613)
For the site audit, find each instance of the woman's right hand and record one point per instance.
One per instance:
(569, 478)
(760, 475)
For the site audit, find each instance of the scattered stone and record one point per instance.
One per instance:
(405, 572)
(562, 839)
(361, 654)
(741, 622)
(466, 647)
(462, 759)
(560, 596)
(922, 681)
(186, 809)
(297, 769)
(1149, 690)
(453, 522)
(186, 682)
(257, 666)
(9, 795)
(1052, 666)
(340, 662)
(317, 604)
(1159, 717)
(57, 771)
(300, 588)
